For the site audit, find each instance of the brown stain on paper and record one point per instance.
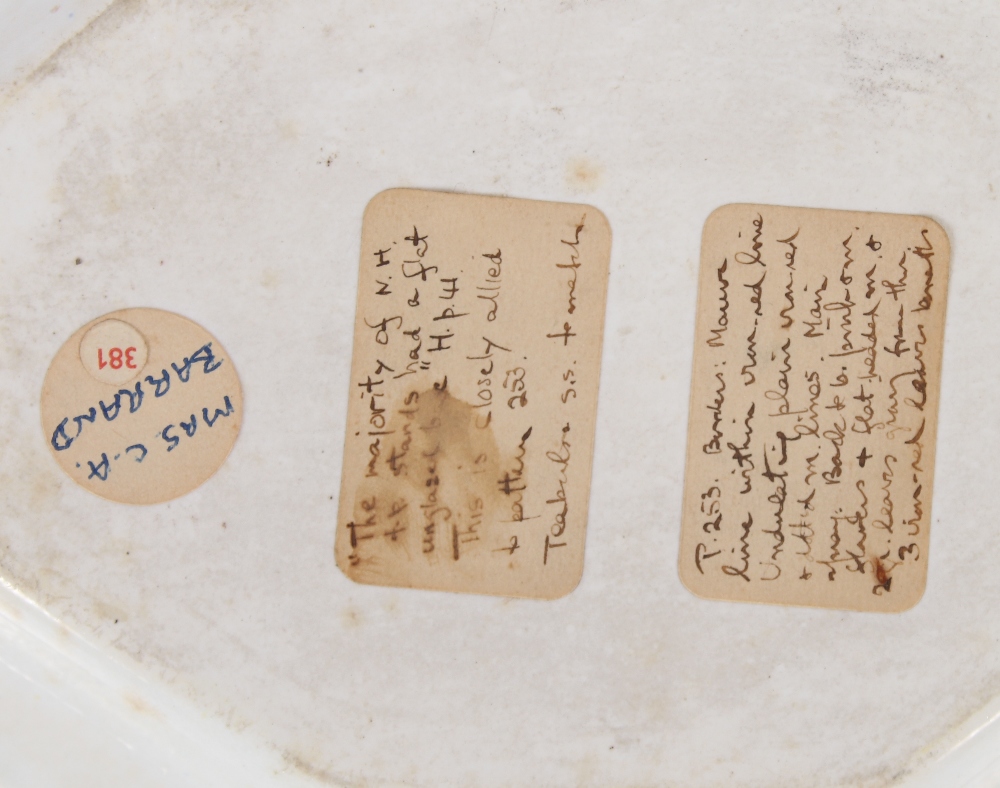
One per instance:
(440, 484)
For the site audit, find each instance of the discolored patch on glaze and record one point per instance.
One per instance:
(139, 705)
(583, 174)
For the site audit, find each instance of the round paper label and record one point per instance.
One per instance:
(141, 406)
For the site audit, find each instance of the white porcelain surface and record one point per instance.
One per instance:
(214, 160)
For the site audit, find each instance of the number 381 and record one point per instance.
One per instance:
(116, 358)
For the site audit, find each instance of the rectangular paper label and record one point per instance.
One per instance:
(814, 398)
(473, 396)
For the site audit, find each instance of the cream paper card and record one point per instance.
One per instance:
(477, 350)
(141, 406)
(814, 399)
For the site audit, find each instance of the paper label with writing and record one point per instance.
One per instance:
(141, 406)
(814, 399)
(473, 393)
